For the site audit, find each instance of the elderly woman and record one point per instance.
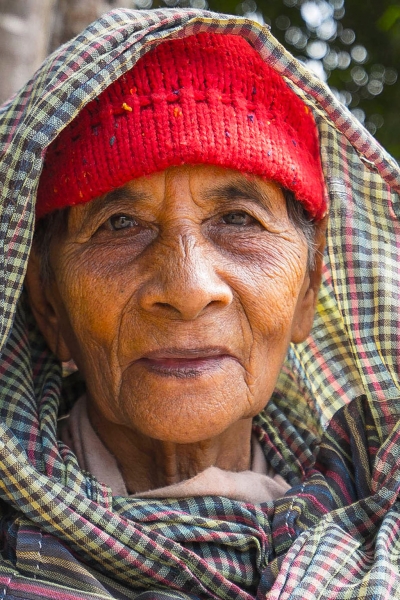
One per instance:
(179, 274)
(180, 204)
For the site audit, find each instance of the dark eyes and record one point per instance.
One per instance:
(119, 222)
(237, 218)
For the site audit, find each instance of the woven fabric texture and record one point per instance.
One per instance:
(336, 533)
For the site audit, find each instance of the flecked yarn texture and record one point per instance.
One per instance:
(207, 99)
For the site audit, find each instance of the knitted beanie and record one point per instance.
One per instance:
(204, 99)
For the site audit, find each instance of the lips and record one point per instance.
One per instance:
(185, 362)
(187, 353)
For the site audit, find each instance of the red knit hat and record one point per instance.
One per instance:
(207, 98)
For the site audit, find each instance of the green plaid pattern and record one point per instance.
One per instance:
(331, 428)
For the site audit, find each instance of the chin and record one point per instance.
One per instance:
(183, 429)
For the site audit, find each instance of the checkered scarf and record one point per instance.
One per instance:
(336, 533)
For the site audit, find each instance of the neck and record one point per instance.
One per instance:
(147, 463)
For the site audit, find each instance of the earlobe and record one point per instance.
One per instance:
(41, 298)
(305, 309)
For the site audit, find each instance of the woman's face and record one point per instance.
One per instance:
(177, 295)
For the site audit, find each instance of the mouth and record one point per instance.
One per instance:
(184, 363)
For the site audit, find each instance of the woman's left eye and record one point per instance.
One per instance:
(118, 222)
(237, 218)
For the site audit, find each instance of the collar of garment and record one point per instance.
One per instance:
(259, 484)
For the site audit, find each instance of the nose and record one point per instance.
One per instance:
(184, 281)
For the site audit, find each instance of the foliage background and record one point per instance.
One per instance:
(354, 45)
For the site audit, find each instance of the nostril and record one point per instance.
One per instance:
(184, 306)
(166, 307)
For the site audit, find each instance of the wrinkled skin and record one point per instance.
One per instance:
(177, 296)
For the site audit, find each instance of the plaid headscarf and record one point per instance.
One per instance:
(336, 533)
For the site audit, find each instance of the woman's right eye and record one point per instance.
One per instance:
(118, 222)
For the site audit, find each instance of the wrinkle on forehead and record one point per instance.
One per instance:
(122, 194)
(238, 187)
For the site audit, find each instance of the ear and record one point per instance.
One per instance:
(42, 297)
(305, 309)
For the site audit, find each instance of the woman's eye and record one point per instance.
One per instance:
(118, 222)
(237, 218)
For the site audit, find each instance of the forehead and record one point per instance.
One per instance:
(202, 185)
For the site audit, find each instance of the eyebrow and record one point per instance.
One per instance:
(121, 194)
(237, 190)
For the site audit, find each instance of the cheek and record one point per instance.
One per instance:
(269, 288)
(93, 304)
(94, 299)
(269, 291)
